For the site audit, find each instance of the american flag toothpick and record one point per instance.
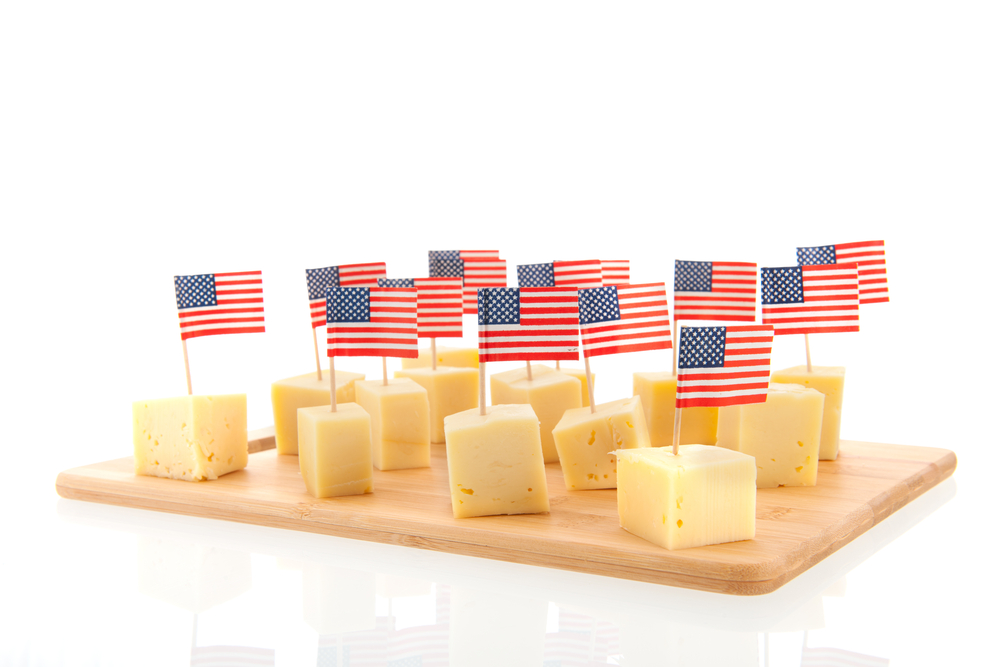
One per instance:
(476, 268)
(873, 285)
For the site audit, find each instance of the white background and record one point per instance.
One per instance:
(142, 140)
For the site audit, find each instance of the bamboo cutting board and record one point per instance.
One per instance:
(796, 527)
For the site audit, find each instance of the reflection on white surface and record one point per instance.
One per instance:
(336, 600)
(491, 628)
(189, 575)
(649, 642)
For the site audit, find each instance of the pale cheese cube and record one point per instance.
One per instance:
(549, 393)
(495, 463)
(581, 375)
(782, 434)
(456, 357)
(658, 392)
(304, 391)
(586, 442)
(335, 451)
(401, 432)
(829, 380)
(190, 437)
(449, 390)
(704, 495)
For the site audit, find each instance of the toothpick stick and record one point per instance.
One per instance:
(319, 368)
(529, 371)
(187, 367)
(590, 384)
(482, 388)
(677, 429)
(333, 387)
(674, 352)
(434, 354)
(385, 374)
(809, 361)
(557, 364)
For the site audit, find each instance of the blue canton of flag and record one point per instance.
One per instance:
(781, 285)
(395, 282)
(823, 254)
(499, 305)
(702, 347)
(320, 279)
(536, 275)
(195, 291)
(692, 276)
(599, 304)
(348, 304)
(445, 264)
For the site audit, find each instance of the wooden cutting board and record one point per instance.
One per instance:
(796, 527)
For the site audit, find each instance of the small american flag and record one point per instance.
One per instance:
(580, 274)
(870, 258)
(725, 291)
(528, 324)
(624, 318)
(210, 304)
(371, 322)
(476, 268)
(810, 299)
(614, 272)
(345, 275)
(720, 366)
(439, 305)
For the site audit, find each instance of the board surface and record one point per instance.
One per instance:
(796, 527)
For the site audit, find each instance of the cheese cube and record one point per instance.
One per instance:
(658, 392)
(401, 430)
(830, 381)
(190, 437)
(304, 391)
(456, 357)
(335, 451)
(549, 393)
(495, 463)
(581, 375)
(586, 442)
(449, 390)
(704, 495)
(782, 434)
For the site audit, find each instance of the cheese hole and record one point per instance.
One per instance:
(772, 459)
(211, 457)
(529, 488)
(629, 424)
(590, 475)
(807, 459)
(467, 491)
(679, 501)
(593, 437)
(605, 477)
(156, 443)
(798, 469)
(664, 518)
(679, 523)
(800, 443)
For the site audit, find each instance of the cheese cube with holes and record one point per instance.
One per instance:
(401, 430)
(449, 390)
(704, 495)
(456, 357)
(658, 392)
(549, 393)
(304, 391)
(335, 451)
(783, 434)
(586, 442)
(829, 380)
(581, 375)
(193, 438)
(495, 463)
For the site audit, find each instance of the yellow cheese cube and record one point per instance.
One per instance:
(190, 437)
(304, 391)
(456, 357)
(401, 430)
(586, 442)
(549, 393)
(449, 390)
(335, 451)
(581, 375)
(782, 434)
(495, 463)
(704, 495)
(830, 381)
(658, 392)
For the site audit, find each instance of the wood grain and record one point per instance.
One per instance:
(796, 527)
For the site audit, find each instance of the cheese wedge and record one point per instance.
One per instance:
(783, 434)
(193, 438)
(704, 495)
(449, 390)
(335, 451)
(456, 357)
(549, 393)
(586, 442)
(658, 392)
(304, 391)
(495, 463)
(401, 430)
(830, 381)
(581, 375)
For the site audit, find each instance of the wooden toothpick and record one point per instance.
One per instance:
(333, 387)
(319, 368)
(385, 374)
(675, 351)
(677, 429)
(434, 354)
(482, 388)
(590, 384)
(187, 366)
(557, 365)
(529, 371)
(809, 361)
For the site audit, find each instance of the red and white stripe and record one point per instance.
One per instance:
(741, 379)
(614, 272)
(582, 274)
(733, 297)
(480, 272)
(830, 293)
(240, 307)
(644, 323)
(350, 275)
(873, 283)
(392, 331)
(549, 328)
(439, 307)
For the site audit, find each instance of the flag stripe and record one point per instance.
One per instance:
(537, 336)
(741, 379)
(614, 272)
(830, 302)
(390, 329)
(732, 296)
(222, 317)
(642, 322)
